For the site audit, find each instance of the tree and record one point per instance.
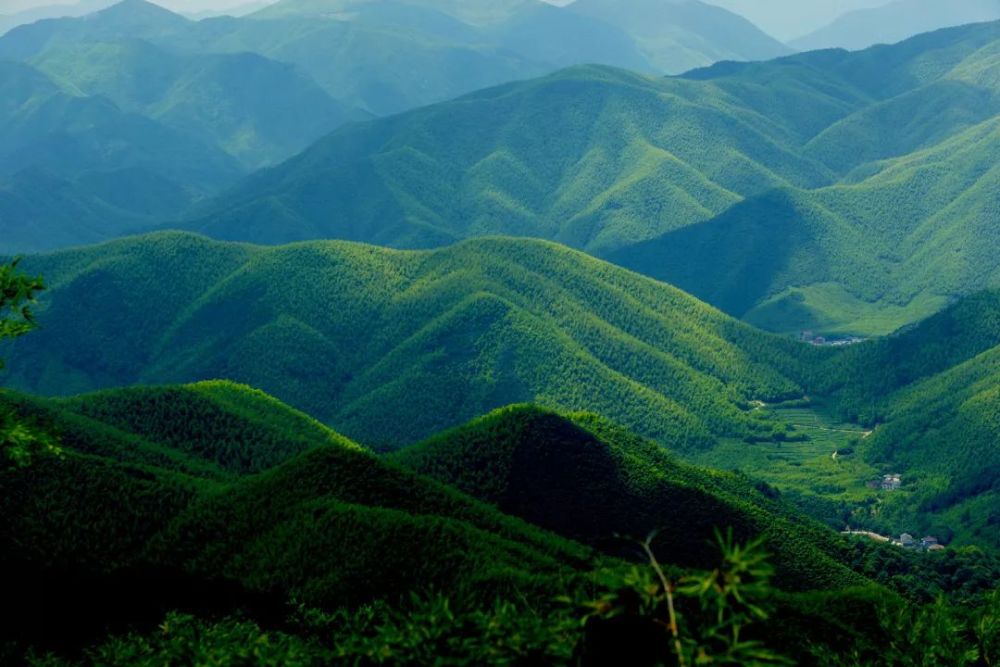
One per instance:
(17, 296)
(20, 442)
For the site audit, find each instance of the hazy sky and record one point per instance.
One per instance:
(12, 6)
(785, 19)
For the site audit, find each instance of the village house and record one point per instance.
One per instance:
(891, 482)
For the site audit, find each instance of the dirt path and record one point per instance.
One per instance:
(868, 534)
(863, 434)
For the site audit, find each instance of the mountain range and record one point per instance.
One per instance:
(514, 333)
(495, 321)
(505, 321)
(796, 171)
(279, 486)
(895, 21)
(231, 95)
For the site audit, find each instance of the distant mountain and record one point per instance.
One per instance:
(678, 35)
(593, 157)
(255, 109)
(15, 16)
(789, 19)
(792, 170)
(494, 322)
(393, 55)
(896, 21)
(108, 136)
(77, 169)
(383, 57)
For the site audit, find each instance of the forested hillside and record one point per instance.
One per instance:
(136, 511)
(227, 95)
(345, 331)
(794, 177)
(78, 169)
(499, 333)
(929, 394)
(461, 331)
(587, 479)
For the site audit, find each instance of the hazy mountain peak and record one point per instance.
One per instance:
(470, 11)
(138, 12)
(897, 21)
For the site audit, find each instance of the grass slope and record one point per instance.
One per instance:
(379, 343)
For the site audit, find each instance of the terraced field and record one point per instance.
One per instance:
(830, 486)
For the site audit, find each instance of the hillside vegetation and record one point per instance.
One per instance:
(585, 478)
(77, 169)
(332, 539)
(830, 191)
(929, 393)
(455, 332)
(228, 513)
(153, 539)
(464, 330)
(177, 109)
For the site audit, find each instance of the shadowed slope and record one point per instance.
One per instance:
(587, 479)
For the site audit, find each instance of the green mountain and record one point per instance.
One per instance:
(234, 94)
(382, 57)
(113, 509)
(785, 173)
(255, 109)
(501, 321)
(679, 35)
(943, 432)
(100, 138)
(581, 157)
(390, 56)
(21, 13)
(891, 241)
(894, 22)
(930, 395)
(77, 169)
(213, 429)
(456, 333)
(587, 479)
(146, 506)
